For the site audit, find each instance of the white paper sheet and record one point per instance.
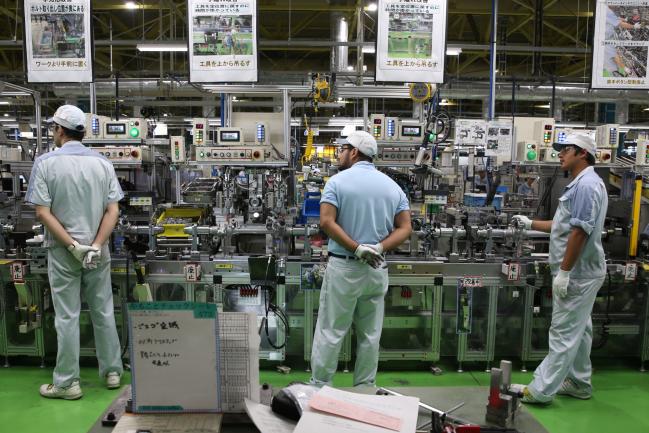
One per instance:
(405, 408)
(266, 420)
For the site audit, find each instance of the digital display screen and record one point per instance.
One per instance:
(411, 131)
(198, 126)
(229, 135)
(377, 121)
(115, 128)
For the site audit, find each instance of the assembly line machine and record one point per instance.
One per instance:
(202, 208)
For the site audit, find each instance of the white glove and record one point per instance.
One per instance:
(560, 283)
(79, 251)
(522, 220)
(637, 26)
(367, 254)
(377, 247)
(92, 258)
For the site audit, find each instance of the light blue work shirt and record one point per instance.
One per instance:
(583, 204)
(367, 202)
(77, 184)
(525, 189)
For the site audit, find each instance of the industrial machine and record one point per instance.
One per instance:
(467, 284)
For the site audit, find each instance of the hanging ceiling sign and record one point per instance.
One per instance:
(620, 44)
(411, 41)
(58, 44)
(223, 41)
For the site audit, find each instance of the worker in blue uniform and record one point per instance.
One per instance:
(364, 213)
(578, 267)
(75, 191)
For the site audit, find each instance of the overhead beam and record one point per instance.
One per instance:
(474, 28)
(564, 33)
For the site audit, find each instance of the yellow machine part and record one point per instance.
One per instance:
(178, 230)
(635, 228)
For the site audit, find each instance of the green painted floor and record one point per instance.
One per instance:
(620, 403)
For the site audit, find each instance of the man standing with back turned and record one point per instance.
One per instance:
(578, 268)
(75, 191)
(364, 213)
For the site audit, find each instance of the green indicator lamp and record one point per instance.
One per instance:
(134, 132)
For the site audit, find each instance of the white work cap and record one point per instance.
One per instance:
(362, 141)
(582, 141)
(70, 117)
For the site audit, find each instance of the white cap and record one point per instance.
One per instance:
(582, 141)
(70, 117)
(362, 141)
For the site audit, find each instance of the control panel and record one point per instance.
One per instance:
(411, 131)
(548, 154)
(199, 132)
(544, 132)
(121, 154)
(377, 126)
(534, 129)
(527, 151)
(177, 149)
(642, 153)
(604, 156)
(229, 154)
(135, 128)
(229, 136)
(607, 136)
(397, 154)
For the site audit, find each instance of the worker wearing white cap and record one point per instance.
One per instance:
(578, 267)
(75, 191)
(364, 213)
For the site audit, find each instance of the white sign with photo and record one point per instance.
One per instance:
(223, 41)
(620, 44)
(470, 132)
(58, 43)
(411, 41)
(499, 139)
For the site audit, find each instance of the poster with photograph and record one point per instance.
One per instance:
(471, 132)
(58, 45)
(411, 41)
(223, 41)
(620, 44)
(499, 139)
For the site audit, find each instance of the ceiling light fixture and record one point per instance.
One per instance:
(130, 5)
(162, 47)
(372, 7)
(453, 51)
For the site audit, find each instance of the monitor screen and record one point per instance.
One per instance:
(411, 130)
(115, 128)
(229, 136)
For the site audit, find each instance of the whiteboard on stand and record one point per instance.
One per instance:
(174, 349)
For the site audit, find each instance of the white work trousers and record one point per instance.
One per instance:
(351, 291)
(67, 278)
(570, 341)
